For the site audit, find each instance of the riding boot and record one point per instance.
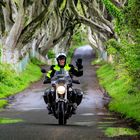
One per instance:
(74, 107)
(49, 108)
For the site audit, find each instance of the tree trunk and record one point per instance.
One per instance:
(9, 52)
(10, 56)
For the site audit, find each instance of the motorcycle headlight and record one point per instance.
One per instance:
(61, 89)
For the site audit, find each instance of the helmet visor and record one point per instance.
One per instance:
(61, 57)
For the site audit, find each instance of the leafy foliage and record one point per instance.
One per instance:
(113, 10)
(36, 61)
(51, 54)
(70, 53)
(79, 39)
(121, 91)
(122, 79)
(132, 14)
(126, 49)
(11, 82)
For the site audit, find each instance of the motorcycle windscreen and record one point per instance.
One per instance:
(61, 77)
(62, 72)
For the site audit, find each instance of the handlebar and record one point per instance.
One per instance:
(46, 82)
(73, 81)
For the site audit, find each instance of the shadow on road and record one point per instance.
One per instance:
(57, 125)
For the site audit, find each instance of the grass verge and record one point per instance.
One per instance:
(9, 121)
(12, 83)
(118, 88)
(3, 103)
(118, 131)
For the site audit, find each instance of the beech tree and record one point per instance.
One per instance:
(50, 23)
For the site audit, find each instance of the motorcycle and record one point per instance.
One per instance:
(61, 89)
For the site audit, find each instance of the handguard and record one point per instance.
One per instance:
(47, 81)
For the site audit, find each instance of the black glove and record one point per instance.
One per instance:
(47, 80)
(79, 63)
(43, 70)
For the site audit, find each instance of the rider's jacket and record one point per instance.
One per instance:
(68, 67)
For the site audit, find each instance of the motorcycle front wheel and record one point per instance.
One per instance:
(61, 113)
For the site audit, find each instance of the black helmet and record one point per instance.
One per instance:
(61, 56)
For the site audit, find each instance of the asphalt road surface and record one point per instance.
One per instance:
(90, 122)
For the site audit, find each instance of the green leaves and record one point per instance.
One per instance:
(132, 14)
(113, 46)
(126, 50)
(113, 10)
(51, 54)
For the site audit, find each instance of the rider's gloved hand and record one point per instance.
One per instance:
(47, 80)
(43, 70)
(79, 63)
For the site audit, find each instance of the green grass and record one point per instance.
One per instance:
(118, 88)
(9, 121)
(3, 103)
(119, 131)
(12, 82)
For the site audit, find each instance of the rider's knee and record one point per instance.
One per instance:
(45, 98)
(79, 95)
(49, 96)
(46, 95)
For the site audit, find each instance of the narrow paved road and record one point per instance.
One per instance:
(90, 122)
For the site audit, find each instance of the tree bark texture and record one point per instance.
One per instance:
(52, 23)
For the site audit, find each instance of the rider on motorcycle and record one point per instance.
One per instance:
(61, 60)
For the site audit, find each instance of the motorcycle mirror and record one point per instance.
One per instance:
(43, 70)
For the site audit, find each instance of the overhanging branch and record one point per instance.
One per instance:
(28, 32)
(88, 22)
